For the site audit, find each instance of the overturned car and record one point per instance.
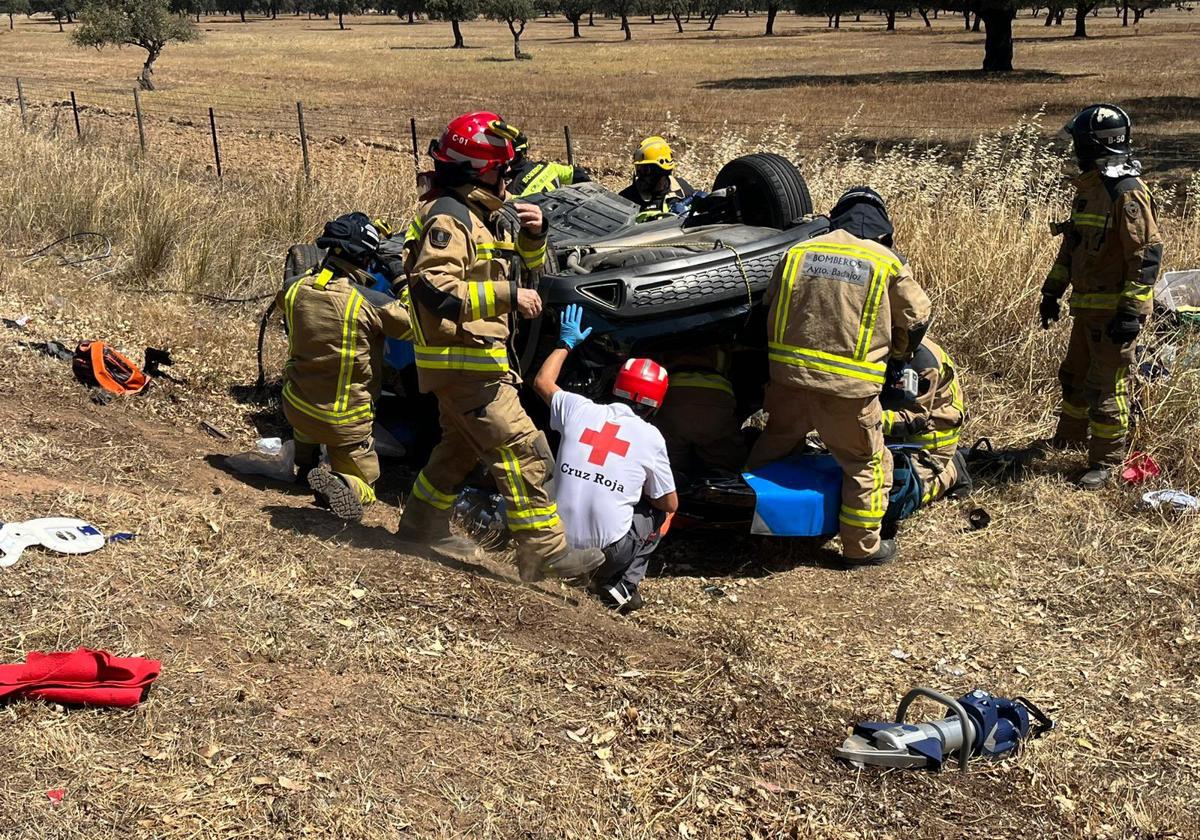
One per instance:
(677, 282)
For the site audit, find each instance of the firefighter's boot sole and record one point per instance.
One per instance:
(342, 499)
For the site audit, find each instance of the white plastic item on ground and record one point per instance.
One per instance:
(1172, 501)
(270, 457)
(57, 533)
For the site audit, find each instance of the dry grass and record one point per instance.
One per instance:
(318, 684)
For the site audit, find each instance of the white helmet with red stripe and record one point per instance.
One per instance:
(642, 382)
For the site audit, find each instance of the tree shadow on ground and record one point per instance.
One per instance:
(1157, 109)
(897, 77)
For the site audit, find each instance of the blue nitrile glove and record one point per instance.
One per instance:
(570, 332)
(681, 207)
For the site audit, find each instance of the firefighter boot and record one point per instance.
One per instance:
(425, 528)
(333, 491)
(568, 563)
(1097, 477)
(884, 554)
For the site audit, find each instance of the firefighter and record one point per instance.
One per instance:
(656, 190)
(1109, 256)
(930, 417)
(699, 419)
(336, 326)
(458, 263)
(840, 305)
(527, 177)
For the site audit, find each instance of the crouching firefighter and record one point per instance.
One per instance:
(336, 327)
(1109, 256)
(840, 305)
(458, 267)
(925, 409)
(529, 177)
(615, 487)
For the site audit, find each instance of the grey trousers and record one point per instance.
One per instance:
(626, 560)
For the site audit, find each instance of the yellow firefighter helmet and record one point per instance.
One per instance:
(654, 151)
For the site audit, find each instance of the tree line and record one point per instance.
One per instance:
(152, 24)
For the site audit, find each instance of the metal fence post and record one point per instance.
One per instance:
(412, 124)
(137, 110)
(75, 111)
(212, 124)
(21, 103)
(570, 148)
(303, 141)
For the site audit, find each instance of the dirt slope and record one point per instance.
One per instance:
(318, 683)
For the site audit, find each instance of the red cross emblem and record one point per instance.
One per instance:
(604, 443)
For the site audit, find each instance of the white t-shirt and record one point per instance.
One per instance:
(607, 460)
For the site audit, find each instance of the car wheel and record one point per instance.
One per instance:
(771, 192)
(302, 258)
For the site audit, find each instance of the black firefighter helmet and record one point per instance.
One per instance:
(1098, 132)
(352, 237)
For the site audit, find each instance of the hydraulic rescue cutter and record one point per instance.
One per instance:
(980, 725)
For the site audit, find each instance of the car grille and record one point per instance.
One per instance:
(718, 282)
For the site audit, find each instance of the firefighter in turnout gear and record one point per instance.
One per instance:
(842, 304)
(1109, 256)
(336, 327)
(528, 177)
(458, 264)
(931, 418)
(699, 417)
(655, 188)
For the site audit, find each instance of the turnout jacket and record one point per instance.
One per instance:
(839, 307)
(1111, 248)
(531, 177)
(657, 205)
(336, 327)
(462, 288)
(936, 417)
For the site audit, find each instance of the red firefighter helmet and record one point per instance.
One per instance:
(642, 382)
(480, 141)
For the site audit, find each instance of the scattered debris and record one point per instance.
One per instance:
(17, 323)
(56, 795)
(270, 457)
(713, 590)
(1173, 501)
(1139, 467)
(53, 349)
(213, 430)
(81, 677)
(57, 533)
(979, 519)
(981, 725)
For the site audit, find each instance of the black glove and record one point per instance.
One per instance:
(1049, 310)
(1123, 328)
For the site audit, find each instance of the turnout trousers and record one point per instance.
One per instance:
(852, 430)
(701, 429)
(484, 421)
(1095, 391)
(354, 463)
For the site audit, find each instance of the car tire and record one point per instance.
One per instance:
(302, 258)
(771, 192)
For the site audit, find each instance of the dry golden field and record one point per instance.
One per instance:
(319, 684)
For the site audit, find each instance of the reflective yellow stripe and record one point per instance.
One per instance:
(415, 228)
(1121, 390)
(701, 380)
(889, 420)
(860, 519)
(1138, 292)
(1108, 431)
(866, 327)
(935, 440)
(826, 362)
(530, 519)
(481, 301)
(1077, 412)
(533, 259)
(335, 418)
(346, 351)
(461, 358)
(424, 490)
(1096, 300)
(878, 502)
(289, 305)
(1090, 219)
(783, 302)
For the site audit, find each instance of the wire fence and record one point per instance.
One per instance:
(66, 106)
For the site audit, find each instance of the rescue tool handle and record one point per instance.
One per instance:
(953, 705)
(1045, 724)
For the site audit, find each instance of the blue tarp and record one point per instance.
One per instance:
(797, 497)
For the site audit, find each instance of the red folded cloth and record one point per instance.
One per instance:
(80, 678)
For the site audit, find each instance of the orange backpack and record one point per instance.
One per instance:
(98, 365)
